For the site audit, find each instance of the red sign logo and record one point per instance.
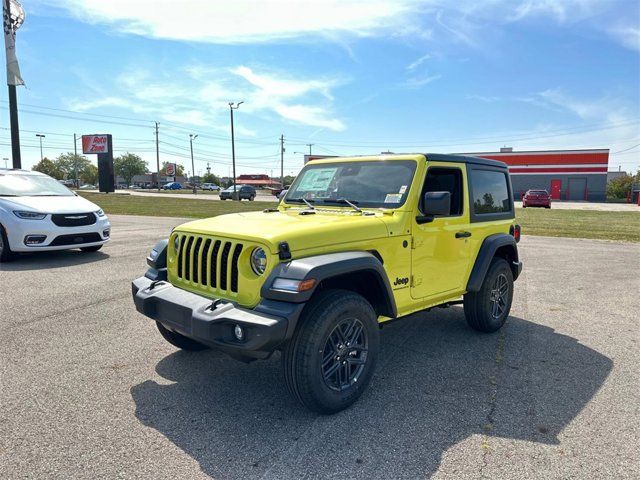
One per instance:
(95, 144)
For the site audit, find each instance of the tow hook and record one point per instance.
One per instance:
(214, 305)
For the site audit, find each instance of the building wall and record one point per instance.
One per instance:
(582, 174)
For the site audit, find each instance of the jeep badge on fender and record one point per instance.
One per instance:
(224, 282)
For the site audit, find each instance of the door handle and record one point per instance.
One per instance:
(463, 234)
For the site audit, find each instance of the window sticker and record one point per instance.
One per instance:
(393, 198)
(403, 189)
(317, 179)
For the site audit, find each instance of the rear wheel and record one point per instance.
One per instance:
(332, 356)
(488, 309)
(180, 341)
(95, 248)
(6, 254)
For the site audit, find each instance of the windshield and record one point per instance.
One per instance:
(538, 192)
(375, 184)
(32, 186)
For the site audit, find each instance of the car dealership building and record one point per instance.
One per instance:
(565, 174)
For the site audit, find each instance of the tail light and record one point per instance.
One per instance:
(514, 231)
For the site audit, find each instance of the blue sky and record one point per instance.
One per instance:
(350, 77)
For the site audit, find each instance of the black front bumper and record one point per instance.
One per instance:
(212, 322)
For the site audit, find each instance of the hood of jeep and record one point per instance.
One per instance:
(300, 231)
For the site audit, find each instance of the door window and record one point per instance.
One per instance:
(441, 179)
(490, 192)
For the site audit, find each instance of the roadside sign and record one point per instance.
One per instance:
(171, 170)
(95, 144)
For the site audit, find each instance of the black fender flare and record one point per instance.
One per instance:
(327, 266)
(488, 250)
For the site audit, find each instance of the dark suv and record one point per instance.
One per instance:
(243, 192)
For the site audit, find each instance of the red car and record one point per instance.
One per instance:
(536, 198)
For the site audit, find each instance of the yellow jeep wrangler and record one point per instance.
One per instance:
(356, 242)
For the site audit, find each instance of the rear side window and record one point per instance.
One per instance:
(490, 192)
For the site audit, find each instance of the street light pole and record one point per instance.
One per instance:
(233, 146)
(40, 136)
(192, 137)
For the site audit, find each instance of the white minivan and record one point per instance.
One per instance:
(38, 213)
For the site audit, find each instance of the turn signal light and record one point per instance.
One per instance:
(514, 231)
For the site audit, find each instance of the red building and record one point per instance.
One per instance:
(258, 181)
(565, 174)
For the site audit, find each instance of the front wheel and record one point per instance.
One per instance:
(487, 309)
(6, 254)
(180, 341)
(331, 358)
(252, 198)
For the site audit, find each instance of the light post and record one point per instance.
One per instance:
(6, 162)
(192, 137)
(40, 136)
(233, 145)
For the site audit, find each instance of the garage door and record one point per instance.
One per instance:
(577, 189)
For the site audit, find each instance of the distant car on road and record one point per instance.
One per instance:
(212, 187)
(37, 213)
(172, 186)
(88, 186)
(536, 198)
(243, 192)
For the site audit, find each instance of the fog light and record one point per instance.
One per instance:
(106, 233)
(34, 239)
(238, 332)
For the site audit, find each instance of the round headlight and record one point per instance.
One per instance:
(176, 243)
(258, 261)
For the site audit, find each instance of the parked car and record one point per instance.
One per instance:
(38, 213)
(282, 194)
(212, 187)
(172, 186)
(244, 192)
(88, 186)
(536, 198)
(351, 249)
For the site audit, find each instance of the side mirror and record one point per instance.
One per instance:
(434, 204)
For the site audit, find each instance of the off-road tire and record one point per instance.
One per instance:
(6, 255)
(95, 248)
(252, 198)
(479, 309)
(302, 358)
(180, 341)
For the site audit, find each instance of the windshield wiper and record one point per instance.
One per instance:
(8, 195)
(344, 201)
(302, 200)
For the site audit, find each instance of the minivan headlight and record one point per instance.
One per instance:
(258, 261)
(29, 215)
(100, 213)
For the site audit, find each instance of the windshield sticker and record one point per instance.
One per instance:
(317, 179)
(403, 189)
(393, 198)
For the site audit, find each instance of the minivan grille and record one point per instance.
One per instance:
(209, 262)
(73, 219)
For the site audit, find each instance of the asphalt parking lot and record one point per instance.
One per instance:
(89, 389)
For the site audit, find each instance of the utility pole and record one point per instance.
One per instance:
(282, 160)
(158, 156)
(310, 145)
(208, 169)
(40, 136)
(233, 146)
(192, 137)
(6, 162)
(75, 159)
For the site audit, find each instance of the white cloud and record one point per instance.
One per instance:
(416, 63)
(628, 35)
(415, 82)
(240, 21)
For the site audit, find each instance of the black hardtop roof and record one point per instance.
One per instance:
(445, 157)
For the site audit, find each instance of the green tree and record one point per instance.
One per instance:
(90, 175)
(47, 167)
(620, 187)
(70, 163)
(129, 165)
(210, 178)
(288, 180)
(179, 169)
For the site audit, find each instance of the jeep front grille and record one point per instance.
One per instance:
(209, 262)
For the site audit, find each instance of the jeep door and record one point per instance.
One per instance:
(440, 252)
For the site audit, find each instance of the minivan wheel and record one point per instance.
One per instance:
(6, 254)
(487, 309)
(331, 358)
(180, 341)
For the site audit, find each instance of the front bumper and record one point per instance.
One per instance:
(212, 322)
